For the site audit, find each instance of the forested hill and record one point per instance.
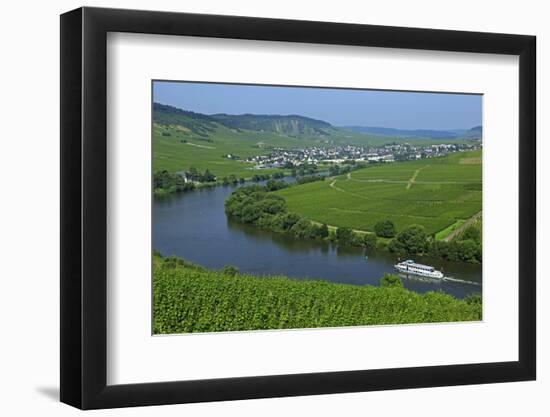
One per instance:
(289, 125)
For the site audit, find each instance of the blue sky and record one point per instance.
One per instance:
(405, 110)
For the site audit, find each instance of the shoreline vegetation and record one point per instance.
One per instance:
(166, 183)
(190, 298)
(259, 206)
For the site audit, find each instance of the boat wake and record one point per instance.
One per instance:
(460, 280)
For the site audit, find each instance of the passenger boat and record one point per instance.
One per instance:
(410, 267)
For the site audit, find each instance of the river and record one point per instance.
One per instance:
(193, 226)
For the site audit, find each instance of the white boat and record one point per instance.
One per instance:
(410, 267)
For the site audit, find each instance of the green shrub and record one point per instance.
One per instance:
(474, 299)
(323, 231)
(369, 240)
(273, 185)
(284, 221)
(165, 183)
(302, 229)
(230, 270)
(381, 244)
(413, 240)
(385, 228)
(390, 280)
(344, 235)
(456, 250)
(471, 233)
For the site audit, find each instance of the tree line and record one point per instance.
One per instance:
(348, 166)
(413, 240)
(256, 205)
(195, 175)
(165, 183)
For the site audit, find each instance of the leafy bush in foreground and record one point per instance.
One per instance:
(189, 298)
(390, 280)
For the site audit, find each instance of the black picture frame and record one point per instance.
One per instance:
(84, 207)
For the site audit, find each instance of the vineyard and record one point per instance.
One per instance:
(434, 193)
(189, 298)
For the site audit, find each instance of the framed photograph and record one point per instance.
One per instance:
(258, 208)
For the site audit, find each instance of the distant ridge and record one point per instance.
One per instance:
(292, 125)
(474, 133)
(413, 133)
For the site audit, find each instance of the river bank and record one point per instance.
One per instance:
(261, 207)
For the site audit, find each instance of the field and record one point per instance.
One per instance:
(189, 298)
(181, 150)
(435, 193)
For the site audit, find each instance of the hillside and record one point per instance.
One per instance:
(182, 139)
(189, 298)
(291, 125)
(197, 123)
(221, 143)
(475, 133)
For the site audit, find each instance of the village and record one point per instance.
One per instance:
(288, 158)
